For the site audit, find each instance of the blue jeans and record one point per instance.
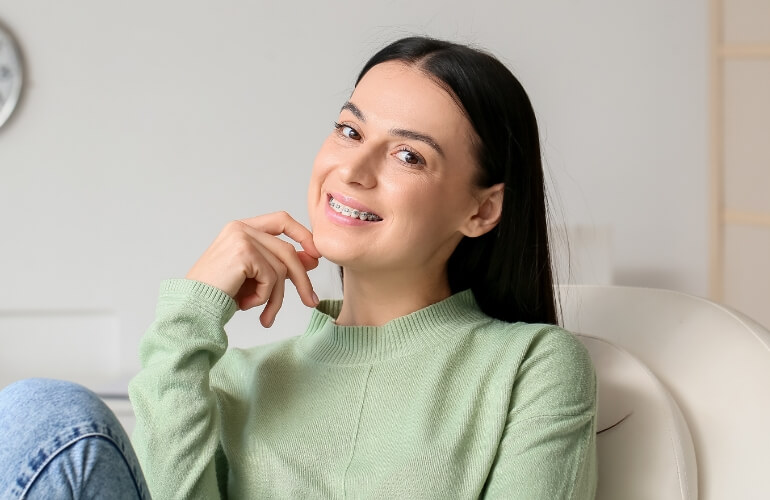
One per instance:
(58, 440)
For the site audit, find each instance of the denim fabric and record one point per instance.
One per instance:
(58, 440)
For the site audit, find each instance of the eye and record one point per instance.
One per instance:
(347, 131)
(410, 157)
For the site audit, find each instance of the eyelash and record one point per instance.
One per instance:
(420, 160)
(339, 126)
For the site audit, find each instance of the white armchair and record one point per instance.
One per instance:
(684, 393)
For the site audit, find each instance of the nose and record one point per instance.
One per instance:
(360, 167)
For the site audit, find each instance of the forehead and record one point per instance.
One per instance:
(398, 95)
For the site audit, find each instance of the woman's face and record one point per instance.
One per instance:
(393, 186)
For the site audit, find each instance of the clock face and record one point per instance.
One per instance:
(10, 75)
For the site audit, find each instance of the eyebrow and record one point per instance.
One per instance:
(353, 109)
(399, 132)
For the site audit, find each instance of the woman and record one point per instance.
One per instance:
(440, 373)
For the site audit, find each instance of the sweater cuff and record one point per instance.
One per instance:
(198, 295)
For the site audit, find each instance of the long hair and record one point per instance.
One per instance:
(509, 268)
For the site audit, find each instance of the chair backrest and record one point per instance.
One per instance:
(644, 446)
(714, 364)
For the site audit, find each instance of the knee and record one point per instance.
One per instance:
(43, 389)
(36, 396)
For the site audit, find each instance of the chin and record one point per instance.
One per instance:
(349, 254)
(334, 250)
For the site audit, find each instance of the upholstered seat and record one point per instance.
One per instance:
(658, 352)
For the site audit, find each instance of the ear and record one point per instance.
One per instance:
(488, 212)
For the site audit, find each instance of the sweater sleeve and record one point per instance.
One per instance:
(177, 422)
(548, 446)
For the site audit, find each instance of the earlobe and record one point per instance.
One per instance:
(488, 212)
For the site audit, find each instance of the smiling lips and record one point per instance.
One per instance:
(353, 213)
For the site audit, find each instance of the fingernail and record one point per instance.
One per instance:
(316, 300)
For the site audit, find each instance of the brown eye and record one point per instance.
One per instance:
(409, 157)
(350, 132)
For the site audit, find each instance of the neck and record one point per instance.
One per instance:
(376, 298)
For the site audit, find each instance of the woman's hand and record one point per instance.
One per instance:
(249, 263)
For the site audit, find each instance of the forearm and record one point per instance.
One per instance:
(177, 427)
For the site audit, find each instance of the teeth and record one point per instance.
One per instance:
(352, 212)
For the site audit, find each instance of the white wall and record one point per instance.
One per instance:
(146, 126)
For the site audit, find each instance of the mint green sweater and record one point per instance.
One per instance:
(442, 403)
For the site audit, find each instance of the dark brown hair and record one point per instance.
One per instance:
(508, 268)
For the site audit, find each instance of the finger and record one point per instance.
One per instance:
(283, 223)
(246, 297)
(308, 261)
(295, 269)
(275, 299)
(260, 279)
(289, 257)
(267, 318)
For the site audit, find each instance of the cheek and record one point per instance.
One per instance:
(318, 165)
(431, 200)
(440, 213)
(321, 166)
(422, 212)
(325, 160)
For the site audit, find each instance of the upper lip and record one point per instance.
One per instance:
(352, 203)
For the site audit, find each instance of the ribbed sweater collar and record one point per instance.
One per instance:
(327, 342)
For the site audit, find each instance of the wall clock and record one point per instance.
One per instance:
(11, 75)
